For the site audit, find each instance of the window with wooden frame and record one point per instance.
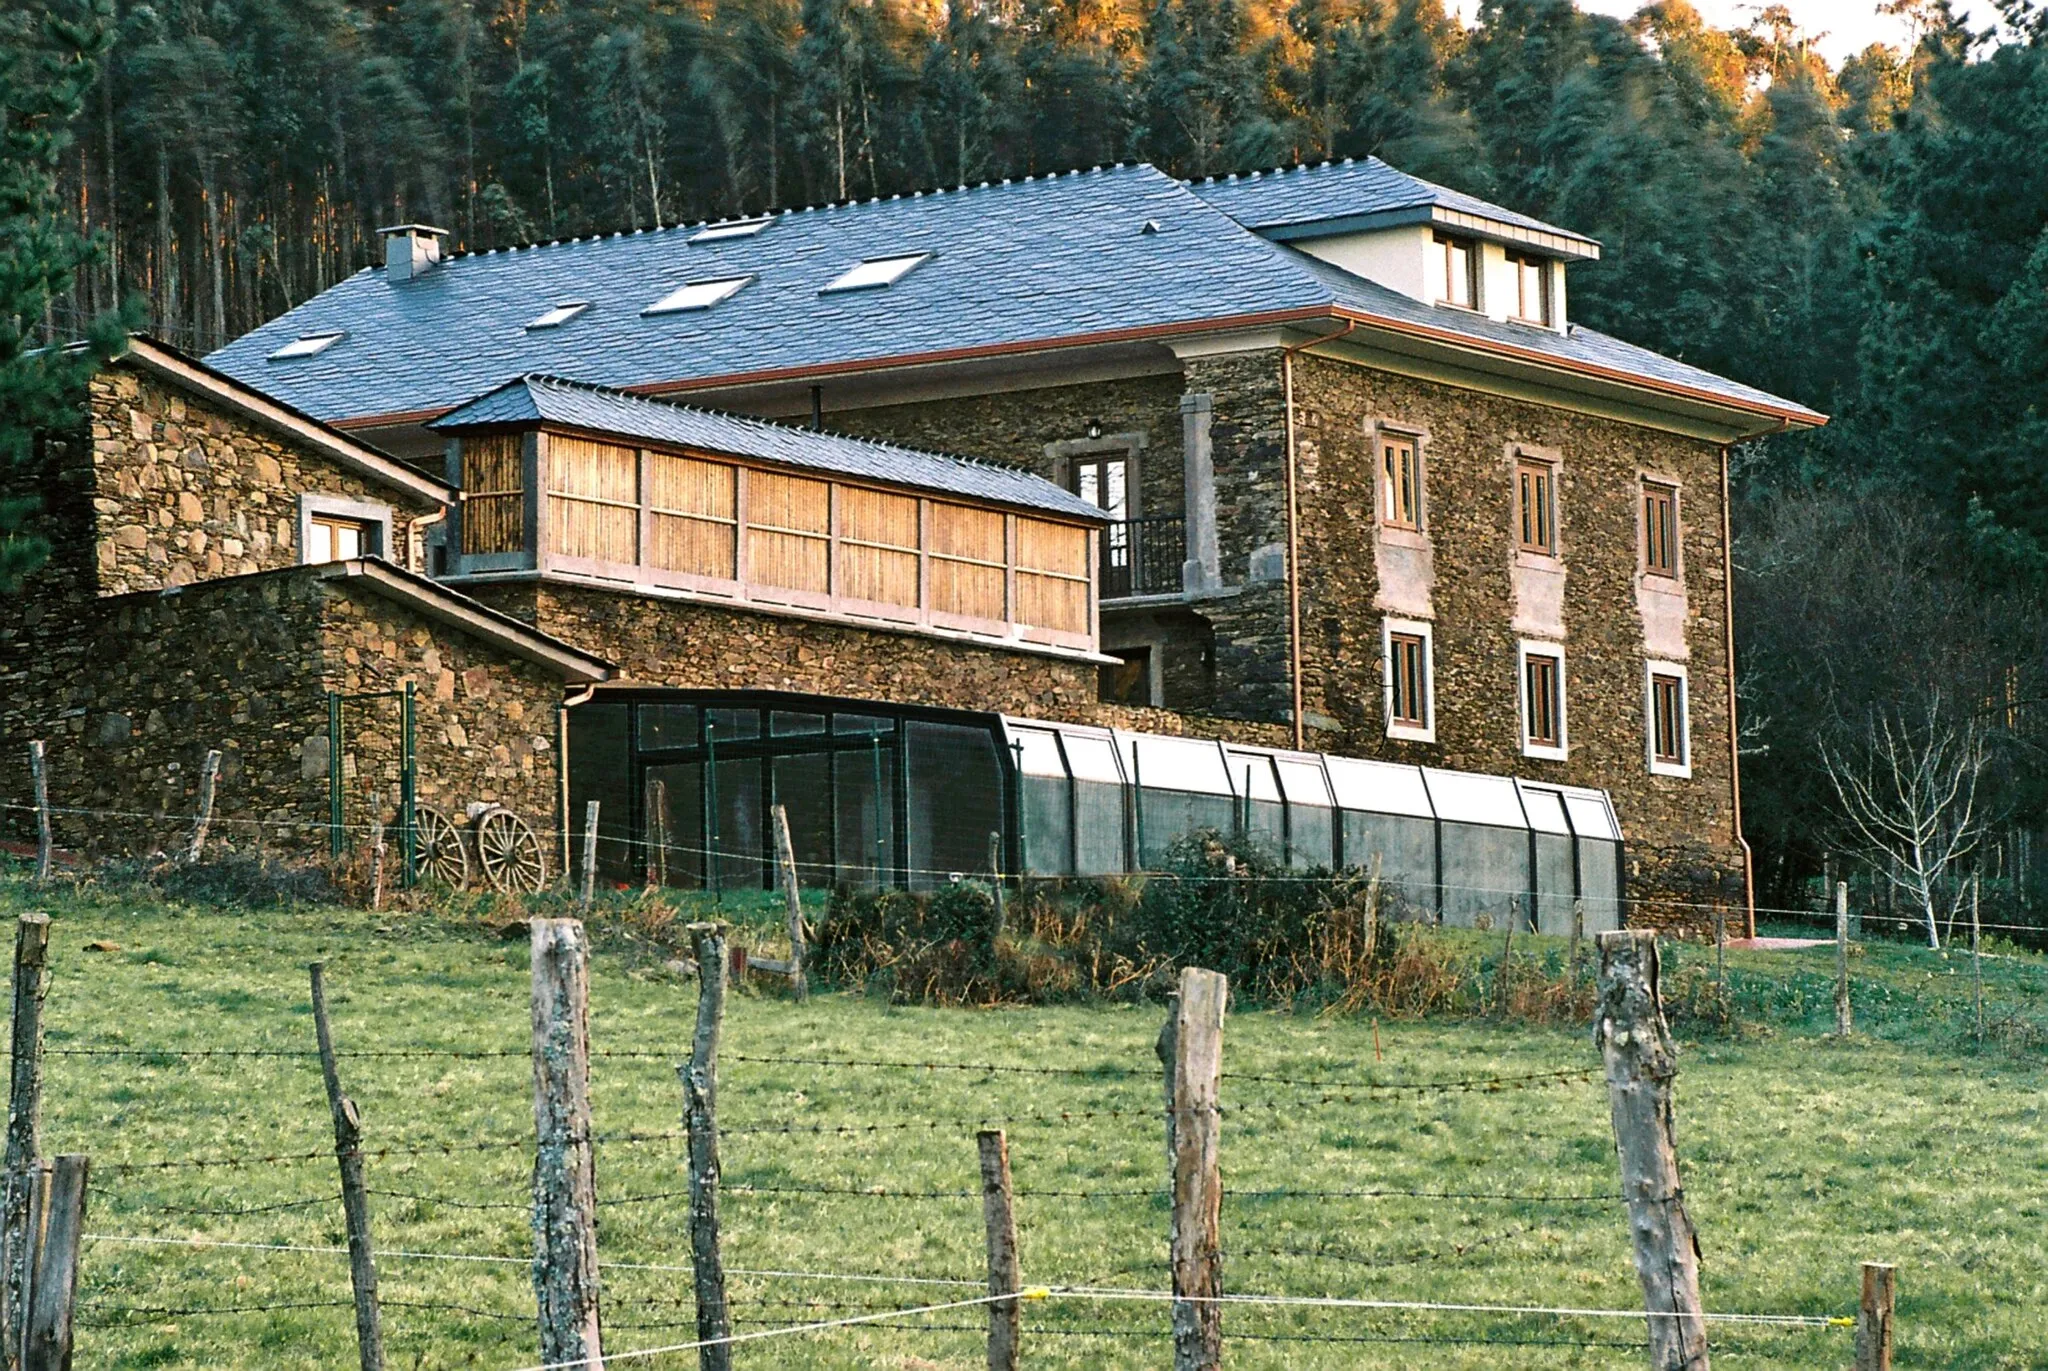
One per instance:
(1532, 288)
(1543, 726)
(331, 538)
(1400, 481)
(1410, 689)
(1668, 724)
(1461, 270)
(1660, 528)
(1536, 506)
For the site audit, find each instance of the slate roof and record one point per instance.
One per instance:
(1354, 188)
(1092, 256)
(552, 400)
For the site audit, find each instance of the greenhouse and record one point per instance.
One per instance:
(906, 795)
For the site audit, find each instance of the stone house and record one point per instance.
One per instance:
(1369, 486)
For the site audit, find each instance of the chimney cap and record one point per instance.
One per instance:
(411, 230)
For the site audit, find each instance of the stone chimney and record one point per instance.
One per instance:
(410, 250)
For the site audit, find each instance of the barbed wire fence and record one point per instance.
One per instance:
(1181, 1301)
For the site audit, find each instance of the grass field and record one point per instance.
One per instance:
(1802, 1156)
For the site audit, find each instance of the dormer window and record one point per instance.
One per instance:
(1461, 271)
(1532, 288)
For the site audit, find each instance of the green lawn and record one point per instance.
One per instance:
(1803, 1155)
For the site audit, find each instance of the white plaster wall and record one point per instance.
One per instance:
(1397, 258)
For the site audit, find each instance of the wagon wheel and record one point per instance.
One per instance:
(509, 851)
(437, 850)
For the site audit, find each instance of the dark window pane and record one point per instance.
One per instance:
(1099, 828)
(667, 725)
(738, 839)
(863, 724)
(1554, 884)
(788, 725)
(1048, 826)
(682, 796)
(600, 769)
(734, 723)
(1166, 816)
(867, 829)
(803, 787)
(956, 793)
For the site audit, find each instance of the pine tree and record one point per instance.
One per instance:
(48, 68)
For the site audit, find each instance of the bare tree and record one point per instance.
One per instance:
(1908, 790)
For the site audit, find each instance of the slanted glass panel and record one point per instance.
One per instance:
(863, 724)
(1311, 823)
(1592, 816)
(664, 725)
(1379, 787)
(601, 770)
(1264, 818)
(1178, 764)
(1099, 811)
(803, 787)
(787, 725)
(682, 789)
(1600, 878)
(1545, 809)
(733, 724)
(1484, 867)
(1555, 884)
(1037, 752)
(739, 840)
(864, 798)
(956, 800)
(1461, 797)
(1406, 848)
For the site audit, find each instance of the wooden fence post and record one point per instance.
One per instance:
(355, 1201)
(39, 778)
(589, 853)
(700, 1116)
(995, 880)
(785, 849)
(24, 1127)
(1571, 961)
(209, 776)
(1641, 1060)
(377, 865)
(53, 1284)
(1507, 954)
(1843, 1018)
(1191, 1046)
(1977, 954)
(565, 1283)
(657, 833)
(1874, 1318)
(999, 1219)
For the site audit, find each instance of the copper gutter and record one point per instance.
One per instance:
(1294, 529)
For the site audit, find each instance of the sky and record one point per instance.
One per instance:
(1847, 26)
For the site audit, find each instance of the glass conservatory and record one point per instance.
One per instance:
(907, 795)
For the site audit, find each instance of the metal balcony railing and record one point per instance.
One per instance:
(1143, 557)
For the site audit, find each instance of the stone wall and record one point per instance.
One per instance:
(1016, 426)
(185, 491)
(721, 647)
(1681, 831)
(130, 698)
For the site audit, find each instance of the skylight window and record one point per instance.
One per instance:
(560, 314)
(698, 295)
(737, 228)
(876, 272)
(307, 345)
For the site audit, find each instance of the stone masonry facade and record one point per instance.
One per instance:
(1684, 853)
(185, 490)
(130, 700)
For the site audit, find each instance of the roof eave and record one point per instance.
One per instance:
(438, 602)
(1555, 242)
(188, 373)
